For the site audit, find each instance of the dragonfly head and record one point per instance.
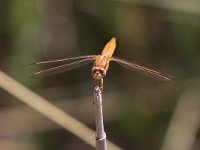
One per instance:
(98, 72)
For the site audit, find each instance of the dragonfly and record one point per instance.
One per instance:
(101, 65)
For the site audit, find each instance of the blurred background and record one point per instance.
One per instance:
(140, 113)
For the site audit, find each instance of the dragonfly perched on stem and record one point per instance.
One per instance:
(101, 65)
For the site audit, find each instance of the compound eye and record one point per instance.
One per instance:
(98, 72)
(102, 71)
(95, 72)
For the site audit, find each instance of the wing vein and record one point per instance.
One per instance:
(65, 59)
(141, 69)
(64, 68)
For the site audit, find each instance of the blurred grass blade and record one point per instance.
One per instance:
(49, 110)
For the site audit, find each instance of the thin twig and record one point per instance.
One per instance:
(49, 110)
(100, 133)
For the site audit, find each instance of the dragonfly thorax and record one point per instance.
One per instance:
(98, 72)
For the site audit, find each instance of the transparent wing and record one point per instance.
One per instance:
(142, 70)
(65, 59)
(64, 68)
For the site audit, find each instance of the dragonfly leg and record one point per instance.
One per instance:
(99, 83)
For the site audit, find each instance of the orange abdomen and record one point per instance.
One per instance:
(109, 48)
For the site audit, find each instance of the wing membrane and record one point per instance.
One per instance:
(142, 70)
(64, 68)
(65, 59)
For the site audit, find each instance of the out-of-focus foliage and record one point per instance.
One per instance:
(143, 113)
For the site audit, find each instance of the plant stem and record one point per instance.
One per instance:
(49, 110)
(100, 133)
